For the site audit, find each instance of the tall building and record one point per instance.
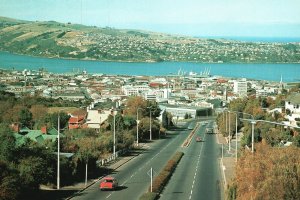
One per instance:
(240, 87)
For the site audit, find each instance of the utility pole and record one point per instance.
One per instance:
(114, 135)
(229, 133)
(236, 118)
(252, 146)
(58, 152)
(150, 127)
(137, 126)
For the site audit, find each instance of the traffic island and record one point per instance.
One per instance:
(187, 141)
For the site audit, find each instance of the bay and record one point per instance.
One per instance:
(271, 72)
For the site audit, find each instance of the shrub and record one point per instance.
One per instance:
(149, 196)
(170, 166)
(162, 179)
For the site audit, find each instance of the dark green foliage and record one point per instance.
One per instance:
(7, 144)
(23, 168)
(154, 108)
(25, 117)
(129, 122)
(53, 119)
(167, 120)
(61, 34)
(296, 141)
(231, 191)
(10, 187)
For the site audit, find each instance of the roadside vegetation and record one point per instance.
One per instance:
(273, 170)
(27, 165)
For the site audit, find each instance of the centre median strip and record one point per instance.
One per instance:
(187, 142)
(163, 177)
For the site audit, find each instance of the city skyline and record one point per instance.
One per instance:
(269, 18)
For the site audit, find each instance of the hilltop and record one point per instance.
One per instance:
(75, 41)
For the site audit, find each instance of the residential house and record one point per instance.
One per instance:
(76, 121)
(39, 136)
(292, 103)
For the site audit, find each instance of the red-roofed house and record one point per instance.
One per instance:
(76, 121)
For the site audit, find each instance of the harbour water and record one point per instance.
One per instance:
(271, 72)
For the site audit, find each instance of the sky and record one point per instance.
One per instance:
(227, 18)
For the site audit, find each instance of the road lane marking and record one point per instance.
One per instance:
(108, 196)
(197, 168)
(144, 165)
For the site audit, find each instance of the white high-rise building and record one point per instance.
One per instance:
(240, 87)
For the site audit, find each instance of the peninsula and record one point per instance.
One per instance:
(74, 41)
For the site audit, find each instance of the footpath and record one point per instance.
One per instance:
(228, 160)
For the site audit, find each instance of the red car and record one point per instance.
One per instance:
(108, 183)
(198, 139)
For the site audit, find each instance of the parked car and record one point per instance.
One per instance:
(198, 139)
(108, 183)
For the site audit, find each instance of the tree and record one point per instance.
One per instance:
(52, 119)
(7, 143)
(39, 112)
(269, 173)
(186, 116)
(154, 108)
(118, 123)
(144, 128)
(167, 119)
(25, 117)
(237, 105)
(10, 186)
(87, 153)
(129, 122)
(133, 103)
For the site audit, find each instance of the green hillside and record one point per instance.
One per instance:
(66, 40)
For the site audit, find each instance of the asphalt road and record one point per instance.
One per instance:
(198, 174)
(132, 176)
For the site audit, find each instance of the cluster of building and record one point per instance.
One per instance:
(121, 45)
(180, 94)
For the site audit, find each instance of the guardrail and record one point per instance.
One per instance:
(110, 158)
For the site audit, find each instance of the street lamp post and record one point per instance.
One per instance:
(114, 134)
(229, 138)
(150, 127)
(236, 118)
(58, 152)
(58, 149)
(252, 146)
(137, 126)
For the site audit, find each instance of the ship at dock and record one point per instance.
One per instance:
(192, 74)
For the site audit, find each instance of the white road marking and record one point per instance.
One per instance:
(197, 168)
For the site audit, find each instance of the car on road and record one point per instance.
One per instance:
(190, 127)
(108, 183)
(209, 130)
(198, 139)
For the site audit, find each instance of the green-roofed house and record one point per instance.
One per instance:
(39, 136)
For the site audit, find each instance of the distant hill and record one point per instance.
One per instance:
(75, 41)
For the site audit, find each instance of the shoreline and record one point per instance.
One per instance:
(143, 61)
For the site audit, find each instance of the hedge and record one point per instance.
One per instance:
(149, 196)
(163, 177)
